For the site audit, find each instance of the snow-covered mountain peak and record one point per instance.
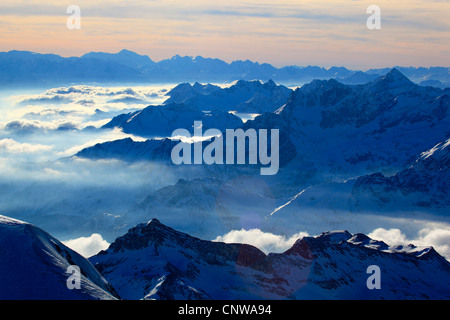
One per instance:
(395, 76)
(335, 236)
(391, 81)
(308, 246)
(152, 235)
(162, 120)
(144, 235)
(153, 221)
(320, 86)
(33, 265)
(10, 221)
(329, 266)
(416, 251)
(247, 84)
(363, 240)
(270, 83)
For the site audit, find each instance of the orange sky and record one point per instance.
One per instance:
(284, 32)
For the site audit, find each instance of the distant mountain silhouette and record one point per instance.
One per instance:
(24, 68)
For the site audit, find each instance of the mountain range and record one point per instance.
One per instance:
(30, 69)
(242, 96)
(358, 151)
(161, 121)
(226, 202)
(344, 149)
(325, 126)
(153, 261)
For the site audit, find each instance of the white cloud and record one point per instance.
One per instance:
(265, 241)
(436, 236)
(102, 136)
(25, 126)
(440, 237)
(12, 146)
(391, 236)
(88, 246)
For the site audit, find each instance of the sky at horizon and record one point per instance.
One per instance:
(322, 32)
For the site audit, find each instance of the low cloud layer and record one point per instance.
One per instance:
(437, 236)
(12, 146)
(61, 121)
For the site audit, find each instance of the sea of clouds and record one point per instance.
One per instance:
(39, 129)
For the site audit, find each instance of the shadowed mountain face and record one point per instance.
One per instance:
(153, 261)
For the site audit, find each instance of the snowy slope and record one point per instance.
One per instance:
(129, 150)
(207, 103)
(344, 131)
(33, 266)
(243, 96)
(330, 134)
(161, 121)
(425, 184)
(153, 261)
(328, 130)
(185, 91)
(418, 191)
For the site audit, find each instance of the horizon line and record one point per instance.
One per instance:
(228, 62)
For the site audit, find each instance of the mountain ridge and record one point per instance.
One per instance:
(168, 264)
(154, 261)
(25, 68)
